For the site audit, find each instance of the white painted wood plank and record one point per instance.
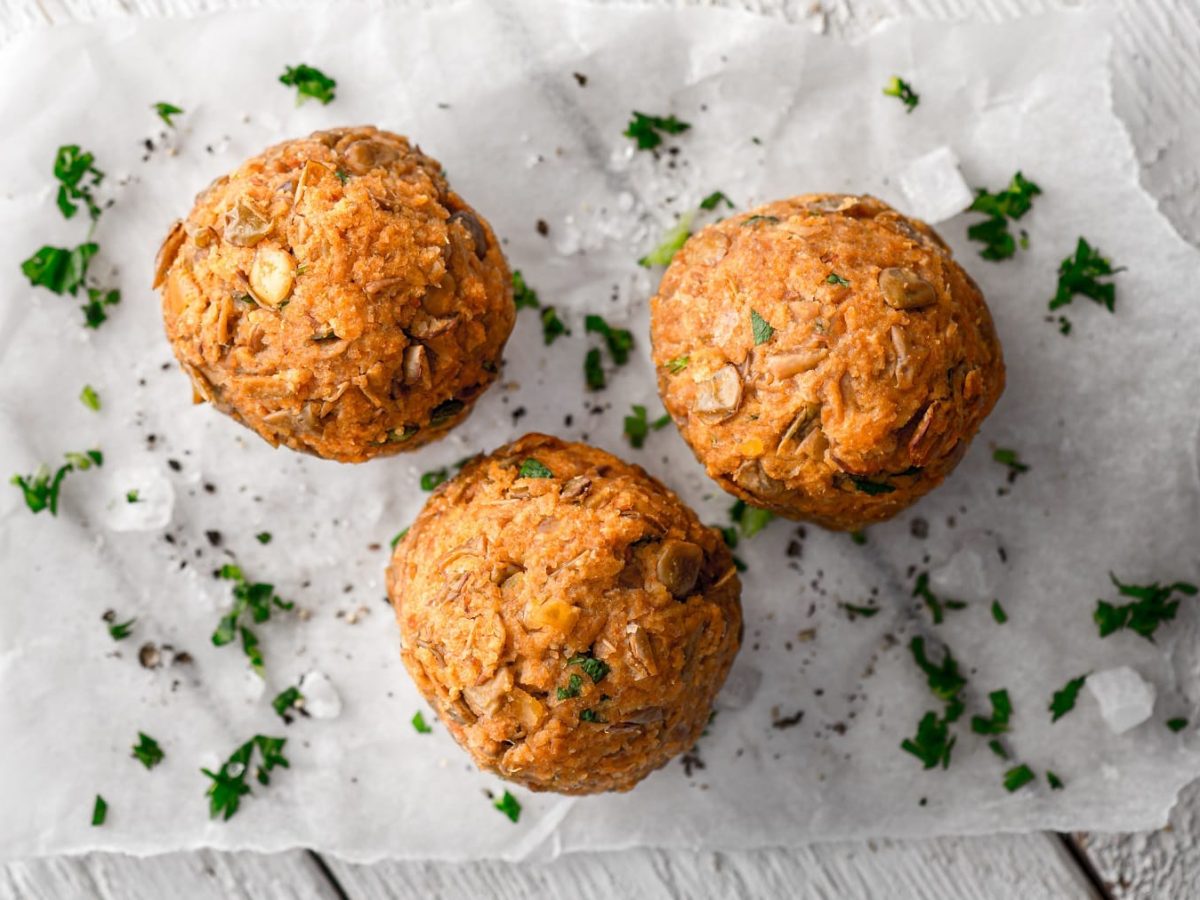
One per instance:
(1026, 866)
(199, 875)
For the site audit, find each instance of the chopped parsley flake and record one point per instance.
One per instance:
(869, 487)
(63, 270)
(932, 743)
(524, 296)
(132, 496)
(574, 685)
(99, 811)
(257, 598)
(263, 537)
(1010, 458)
(342, 175)
(147, 752)
(647, 130)
(89, 398)
(1081, 274)
(1056, 783)
(618, 340)
(443, 412)
(944, 680)
(899, 88)
(855, 611)
(593, 370)
(637, 426)
(589, 715)
(531, 468)
(1001, 713)
(715, 199)
(760, 220)
(750, 520)
(594, 668)
(399, 537)
(1177, 724)
(77, 174)
(998, 748)
(998, 613)
(430, 480)
(41, 489)
(509, 806)
(118, 631)
(835, 278)
(309, 82)
(1009, 204)
(420, 726)
(1017, 777)
(552, 326)
(287, 700)
(671, 243)
(1064, 700)
(761, 329)
(859, 537)
(229, 782)
(1152, 605)
(165, 111)
(678, 364)
(937, 606)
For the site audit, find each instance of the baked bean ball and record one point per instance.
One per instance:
(567, 616)
(335, 295)
(825, 357)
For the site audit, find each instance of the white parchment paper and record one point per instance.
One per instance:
(1106, 417)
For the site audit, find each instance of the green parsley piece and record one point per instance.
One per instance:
(760, 328)
(618, 340)
(859, 537)
(1063, 700)
(99, 811)
(637, 426)
(552, 326)
(263, 537)
(432, 479)
(1010, 458)
(1009, 204)
(420, 726)
(678, 364)
(715, 199)
(855, 611)
(61, 270)
(1152, 605)
(998, 748)
(256, 598)
(647, 130)
(287, 700)
(531, 468)
(165, 111)
(869, 487)
(132, 496)
(944, 679)
(309, 82)
(147, 752)
(1177, 724)
(509, 806)
(77, 174)
(900, 89)
(574, 685)
(593, 370)
(89, 398)
(1001, 713)
(1081, 274)
(41, 489)
(98, 301)
(760, 220)
(595, 669)
(671, 243)
(118, 631)
(932, 743)
(750, 520)
(1017, 777)
(937, 606)
(589, 715)
(998, 613)
(1056, 783)
(399, 537)
(443, 412)
(229, 782)
(524, 297)
(342, 175)
(835, 278)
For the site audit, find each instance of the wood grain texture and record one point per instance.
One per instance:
(1156, 90)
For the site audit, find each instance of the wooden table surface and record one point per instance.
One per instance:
(1156, 91)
